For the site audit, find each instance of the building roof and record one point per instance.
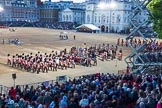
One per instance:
(90, 26)
(76, 9)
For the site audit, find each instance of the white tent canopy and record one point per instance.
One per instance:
(64, 33)
(90, 26)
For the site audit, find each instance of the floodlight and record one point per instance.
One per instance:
(102, 5)
(1, 9)
(113, 5)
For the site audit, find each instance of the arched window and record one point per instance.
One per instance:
(117, 29)
(118, 19)
(70, 18)
(88, 18)
(63, 17)
(107, 19)
(103, 19)
(66, 17)
(113, 19)
(99, 19)
(95, 19)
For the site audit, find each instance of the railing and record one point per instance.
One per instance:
(123, 72)
(46, 83)
(59, 79)
(4, 89)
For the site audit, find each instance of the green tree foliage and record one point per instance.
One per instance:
(155, 6)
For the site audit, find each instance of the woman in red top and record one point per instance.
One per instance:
(12, 92)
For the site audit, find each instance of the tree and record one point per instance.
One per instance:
(155, 6)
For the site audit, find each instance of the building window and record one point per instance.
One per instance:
(117, 29)
(107, 19)
(95, 19)
(70, 18)
(113, 19)
(63, 17)
(99, 19)
(103, 18)
(75, 19)
(88, 18)
(8, 2)
(118, 19)
(125, 20)
(66, 17)
(78, 19)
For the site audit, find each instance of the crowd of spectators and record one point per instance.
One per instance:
(56, 25)
(151, 50)
(90, 91)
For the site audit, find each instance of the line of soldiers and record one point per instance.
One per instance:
(39, 62)
(135, 42)
(155, 46)
(45, 62)
(85, 56)
(151, 47)
(107, 52)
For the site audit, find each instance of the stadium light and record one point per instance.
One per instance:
(112, 5)
(102, 5)
(1, 9)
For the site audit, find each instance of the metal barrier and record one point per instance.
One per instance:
(46, 83)
(4, 89)
(59, 79)
(122, 72)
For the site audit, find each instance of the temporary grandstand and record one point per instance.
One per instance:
(138, 59)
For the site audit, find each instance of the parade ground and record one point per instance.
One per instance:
(46, 40)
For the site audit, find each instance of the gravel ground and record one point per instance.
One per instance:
(46, 40)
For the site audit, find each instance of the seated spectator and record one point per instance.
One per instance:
(84, 102)
(63, 102)
(12, 92)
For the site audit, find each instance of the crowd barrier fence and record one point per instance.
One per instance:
(4, 89)
(122, 72)
(59, 79)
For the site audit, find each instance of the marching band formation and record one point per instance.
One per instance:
(41, 62)
(83, 56)
(51, 62)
